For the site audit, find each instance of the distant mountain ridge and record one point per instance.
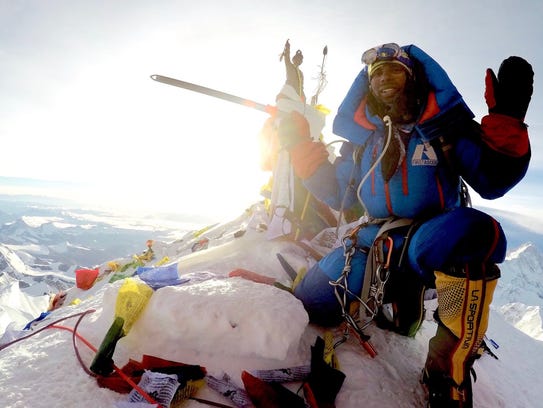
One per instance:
(41, 245)
(519, 295)
(33, 283)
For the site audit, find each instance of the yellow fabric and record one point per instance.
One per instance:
(464, 309)
(132, 298)
(184, 393)
(323, 109)
(145, 256)
(163, 261)
(330, 357)
(451, 293)
(196, 234)
(266, 192)
(301, 273)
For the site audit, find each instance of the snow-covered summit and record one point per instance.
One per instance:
(527, 249)
(229, 324)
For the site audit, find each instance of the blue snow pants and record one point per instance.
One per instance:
(459, 236)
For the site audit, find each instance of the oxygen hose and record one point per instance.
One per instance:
(388, 122)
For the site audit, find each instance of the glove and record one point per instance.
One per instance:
(292, 130)
(510, 93)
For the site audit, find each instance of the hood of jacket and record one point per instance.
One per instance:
(444, 104)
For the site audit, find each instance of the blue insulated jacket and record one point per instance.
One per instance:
(426, 182)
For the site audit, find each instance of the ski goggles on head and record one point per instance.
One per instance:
(390, 52)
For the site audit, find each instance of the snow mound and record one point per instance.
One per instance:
(231, 316)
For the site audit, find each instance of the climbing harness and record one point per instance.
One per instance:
(352, 326)
(365, 307)
(373, 301)
(379, 278)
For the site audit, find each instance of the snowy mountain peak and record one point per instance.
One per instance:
(11, 261)
(527, 248)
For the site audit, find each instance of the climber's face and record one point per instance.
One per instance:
(387, 82)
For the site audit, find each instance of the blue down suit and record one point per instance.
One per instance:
(455, 247)
(426, 187)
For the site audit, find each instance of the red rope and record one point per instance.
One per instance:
(45, 327)
(75, 335)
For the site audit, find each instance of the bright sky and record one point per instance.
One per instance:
(77, 102)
